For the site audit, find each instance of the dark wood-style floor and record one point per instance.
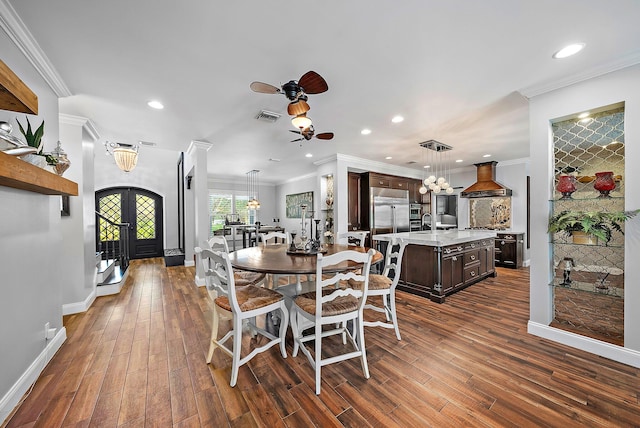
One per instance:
(138, 359)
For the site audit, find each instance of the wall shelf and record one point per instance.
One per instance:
(19, 174)
(14, 94)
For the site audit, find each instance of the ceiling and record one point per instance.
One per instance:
(459, 71)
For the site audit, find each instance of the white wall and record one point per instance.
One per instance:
(602, 91)
(30, 242)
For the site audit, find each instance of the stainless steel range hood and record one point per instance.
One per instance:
(486, 185)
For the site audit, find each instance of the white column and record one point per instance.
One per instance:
(197, 152)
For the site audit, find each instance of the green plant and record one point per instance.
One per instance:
(596, 223)
(34, 139)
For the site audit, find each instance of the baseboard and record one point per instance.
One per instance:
(14, 395)
(78, 307)
(189, 263)
(200, 282)
(597, 347)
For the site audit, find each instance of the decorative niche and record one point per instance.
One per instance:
(588, 280)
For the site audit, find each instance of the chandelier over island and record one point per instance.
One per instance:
(439, 160)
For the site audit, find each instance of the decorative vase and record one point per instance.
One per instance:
(329, 201)
(566, 186)
(63, 162)
(604, 183)
(584, 238)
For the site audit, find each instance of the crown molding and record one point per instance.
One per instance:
(196, 144)
(618, 64)
(88, 127)
(18, 32)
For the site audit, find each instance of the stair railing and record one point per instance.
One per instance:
(116, 249)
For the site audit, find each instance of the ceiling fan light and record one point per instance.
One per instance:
(301, 122)
(298, 107)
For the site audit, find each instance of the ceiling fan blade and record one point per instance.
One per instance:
(298, 107)
(325, 136)
(264, 88)
(299, 139)
(295, 131)
(313, 83)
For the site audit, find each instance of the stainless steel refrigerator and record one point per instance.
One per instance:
(389, 210)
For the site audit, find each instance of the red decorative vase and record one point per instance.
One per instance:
(566, 186)
(604, 183)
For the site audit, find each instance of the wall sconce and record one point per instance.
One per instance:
(125, 155)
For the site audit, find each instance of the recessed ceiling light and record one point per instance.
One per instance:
(155, 104)
(583, 115)
(388, 157)
(397, 119)
(569, 50)
(486, 156)
(365, 131)
(308, 155)
(274, 160)
(458, 160)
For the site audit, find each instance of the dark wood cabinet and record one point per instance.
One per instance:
(453, 273)
(460, 266)
(379, 180)
(414, 193)
(509, 249)
(353, 221)
(486, 256)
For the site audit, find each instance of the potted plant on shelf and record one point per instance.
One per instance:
(587, 227)
(34, 139)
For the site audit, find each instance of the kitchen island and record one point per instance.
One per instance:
(440, 262)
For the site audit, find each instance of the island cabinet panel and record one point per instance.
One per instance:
(418, 275)
(452, 274)
(437, 271)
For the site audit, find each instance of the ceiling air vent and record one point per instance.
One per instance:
(267, 116)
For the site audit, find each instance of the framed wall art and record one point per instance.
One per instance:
(294, 201)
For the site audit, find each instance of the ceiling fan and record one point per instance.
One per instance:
(309, 133)
(310, 83)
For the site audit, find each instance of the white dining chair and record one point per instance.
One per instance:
(242, 277)
(266, 238)
(240, 305)
(384, 285)
(331, 305)
(271, 238)
(354, 238)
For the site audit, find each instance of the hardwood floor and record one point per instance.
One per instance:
(138, 359)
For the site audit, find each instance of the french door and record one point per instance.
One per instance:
(140, 208)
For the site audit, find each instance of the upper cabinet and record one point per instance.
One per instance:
(14, 94)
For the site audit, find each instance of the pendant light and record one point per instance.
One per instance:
(125, 155)
(253, 190)
(437, 181)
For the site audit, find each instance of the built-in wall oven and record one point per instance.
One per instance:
(414, 217)
(414, 211)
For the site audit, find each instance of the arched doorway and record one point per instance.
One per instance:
(142, 209)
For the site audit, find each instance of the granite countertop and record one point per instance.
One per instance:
(438, 238)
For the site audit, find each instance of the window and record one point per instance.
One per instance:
(223, 205)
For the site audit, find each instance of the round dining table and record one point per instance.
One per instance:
(274, 259)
